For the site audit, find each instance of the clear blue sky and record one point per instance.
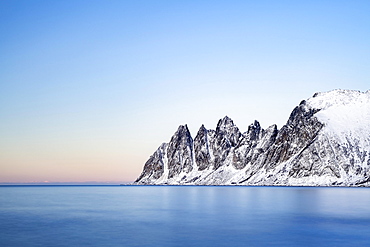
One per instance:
(90, 89)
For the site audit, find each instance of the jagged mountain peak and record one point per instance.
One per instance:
(202, 128)
(183, 129)
(254, 126)
(182, 135)
(203, 131)
(224, 123)
(254, 130)
(226, 119)
(326, 141)
(227, 133)
(272, 128)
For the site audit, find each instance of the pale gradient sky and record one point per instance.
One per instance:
(90, 89)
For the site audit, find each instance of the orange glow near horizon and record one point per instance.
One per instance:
(69, 171)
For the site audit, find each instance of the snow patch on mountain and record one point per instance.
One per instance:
(345, 114)
(325, 142)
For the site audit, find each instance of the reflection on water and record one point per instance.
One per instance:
(184, 216)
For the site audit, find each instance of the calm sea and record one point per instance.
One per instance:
(183, 216)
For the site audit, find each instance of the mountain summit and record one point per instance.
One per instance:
(325, 142)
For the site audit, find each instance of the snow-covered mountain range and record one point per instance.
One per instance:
(325, 142)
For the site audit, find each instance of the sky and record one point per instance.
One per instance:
(90, 89)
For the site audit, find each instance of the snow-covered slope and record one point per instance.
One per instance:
(325, 142)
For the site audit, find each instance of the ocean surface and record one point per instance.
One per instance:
(183, 216)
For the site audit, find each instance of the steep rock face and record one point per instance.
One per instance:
(341, 150)
(299, 132)
(247, 150)
(326, 141)
(227, 135)
(254, 150)
(203, 150)
(180, 152)
(154, 167)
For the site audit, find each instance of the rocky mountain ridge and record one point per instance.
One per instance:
(325, 142)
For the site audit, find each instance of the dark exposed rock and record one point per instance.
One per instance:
(298, 150)
(154, 167)
(180, 152)
(298, 133)
(202, 149)
(227, 136)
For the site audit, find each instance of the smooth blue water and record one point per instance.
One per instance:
(183, 216)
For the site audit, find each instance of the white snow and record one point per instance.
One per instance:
(345, 113)
(346, 118)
